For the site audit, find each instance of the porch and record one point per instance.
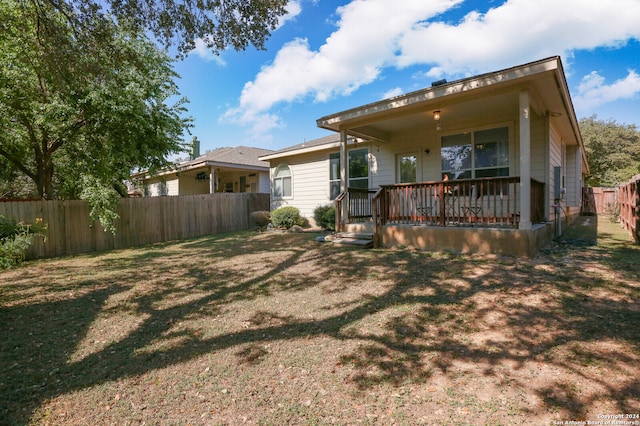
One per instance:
(464, 215)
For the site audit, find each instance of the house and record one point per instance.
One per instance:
(231, 169)
(492, 164)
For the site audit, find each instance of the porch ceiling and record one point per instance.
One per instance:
(489, 97)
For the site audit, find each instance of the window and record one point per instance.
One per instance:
(359, 168)
(483, 153)
(282, 182)
(407, 168)
(334, 175)
(358, 172)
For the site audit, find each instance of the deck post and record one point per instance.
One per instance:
(343, 175)
(525, 161)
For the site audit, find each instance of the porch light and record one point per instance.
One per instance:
(436, 117)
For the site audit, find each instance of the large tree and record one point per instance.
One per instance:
(79, 111)
(219, 23)
(613, 150)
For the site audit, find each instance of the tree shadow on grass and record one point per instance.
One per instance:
(37, 342)
(431, 308)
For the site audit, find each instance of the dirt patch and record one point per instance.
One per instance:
(276, 328)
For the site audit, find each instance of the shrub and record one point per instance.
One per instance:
(286, 217)
(15, 240)
(261, 218)
(325, 216)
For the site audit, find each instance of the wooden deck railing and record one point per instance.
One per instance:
(360, 202)
(491, 202)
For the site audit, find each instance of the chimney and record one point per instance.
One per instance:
(195, 148)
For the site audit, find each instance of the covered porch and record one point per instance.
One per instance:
(462, 215)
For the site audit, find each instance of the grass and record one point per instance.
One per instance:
(270, 328)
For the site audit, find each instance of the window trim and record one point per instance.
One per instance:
(399, 158)
(349, 179)
(511, 147)
(282, 166)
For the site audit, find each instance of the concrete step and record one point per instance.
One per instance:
(360, 239)
(353, 242)
(356, 235)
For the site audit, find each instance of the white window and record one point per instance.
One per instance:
(358, 171)
(483, 153)
(282, 182)
(407, 168)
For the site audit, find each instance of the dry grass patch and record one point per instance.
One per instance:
(270, 328)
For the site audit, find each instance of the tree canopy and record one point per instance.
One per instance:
(219, 23)
(613, 150)
(77, 114)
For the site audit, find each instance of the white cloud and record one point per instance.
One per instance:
(354, 55)
(519, 31)
(201, 50)
(396, 91)
(593, 91)
(370, 37)
(293, 9)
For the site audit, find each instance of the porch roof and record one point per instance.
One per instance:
(491, 94)
(239, 157)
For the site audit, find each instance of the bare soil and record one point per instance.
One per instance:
(276, 328)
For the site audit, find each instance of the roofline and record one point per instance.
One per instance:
(309, 149)
(144, 174)
(568, 105)
(332, 121)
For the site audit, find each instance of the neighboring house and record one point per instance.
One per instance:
(491, 163)
(235, 169)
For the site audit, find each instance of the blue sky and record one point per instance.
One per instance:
(330, 55)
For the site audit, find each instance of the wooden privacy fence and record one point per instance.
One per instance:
(599, 200)
(629, 200)
(142, 221)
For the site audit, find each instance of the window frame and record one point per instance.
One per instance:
(473, 169)
(282, 179)
(399, 158)
(335, 178)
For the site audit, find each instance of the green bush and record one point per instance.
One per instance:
(15, 240)
(286, 217)
(325, 216)
(261, 218)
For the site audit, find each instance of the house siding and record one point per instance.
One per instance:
(556, 155)
(264, 183)
(574, 176)
(310, 182)
(173, 187)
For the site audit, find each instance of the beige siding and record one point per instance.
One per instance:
(173, 187)
(310, 182)
(189, 185)
(555, 159)
(264, 184)
(574, 176)
(538, 148)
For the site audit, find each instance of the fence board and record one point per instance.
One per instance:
(142, 221)
(598, 200)
(629, 199)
